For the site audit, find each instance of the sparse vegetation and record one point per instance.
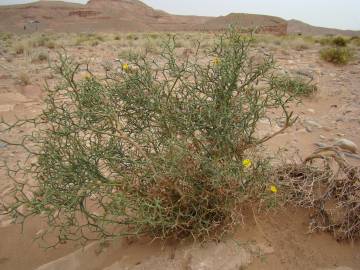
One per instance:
(89, 38)
(6, 39)
(333, 41)
(166, 147)
(355, 41)
(19, 47)
(132, 36)
(337, 55)
(23, 78)
(300, 45)
(295, 86)
(339, 41)
(40, 56)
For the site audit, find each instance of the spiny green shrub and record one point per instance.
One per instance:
(167, 147)
(336, 55)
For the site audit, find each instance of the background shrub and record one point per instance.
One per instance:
(296, 86)
(336, 55)
(339, 41)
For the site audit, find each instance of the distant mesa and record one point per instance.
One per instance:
(133, 15)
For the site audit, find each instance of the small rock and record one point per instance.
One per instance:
(321, 145)
(3, 145)
(311, 123)
(311, 110)
(308, 129)
(347, 145)
(7, 107)
(306, 73)
(322, 137)
(354, 156)
(326, 129)
(303, 130)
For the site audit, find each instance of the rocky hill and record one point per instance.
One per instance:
(134, 15)
(268, 24)
(96, 15)
(119, 15)
(298, 27)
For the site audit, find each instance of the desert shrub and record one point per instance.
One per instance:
(355, 40)
(5, 35)
(50, 44)
(151, 46)
(19, 47)
(153, 35)
(6, 39)
(300, 45)
(339, 41)
(294, 85)
(325, 41)
(165, 147)
(40, 56)
(42, 40)
(89, 39)
(132, 36)
(333, 41)
(23, 78)
(336, 55)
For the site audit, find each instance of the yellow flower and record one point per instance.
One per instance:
(273, 189)
(216, 61)
(246, 163)
(125, 67)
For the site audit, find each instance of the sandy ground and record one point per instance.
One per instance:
(277, 239)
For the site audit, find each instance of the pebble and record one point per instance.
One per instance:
(347, 145)
(306, 73)
(311, 110)
(312, 123)
(321, 145)
(7, 107)
(326, 129)
(3, 145)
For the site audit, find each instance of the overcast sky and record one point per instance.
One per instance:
(342, 14)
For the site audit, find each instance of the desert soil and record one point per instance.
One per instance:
(277, 239)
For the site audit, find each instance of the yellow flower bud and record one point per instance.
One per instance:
(216, 61)
(125, 67)
(246, 163)
(273, 189)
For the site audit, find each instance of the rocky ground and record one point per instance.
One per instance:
(277, 239)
